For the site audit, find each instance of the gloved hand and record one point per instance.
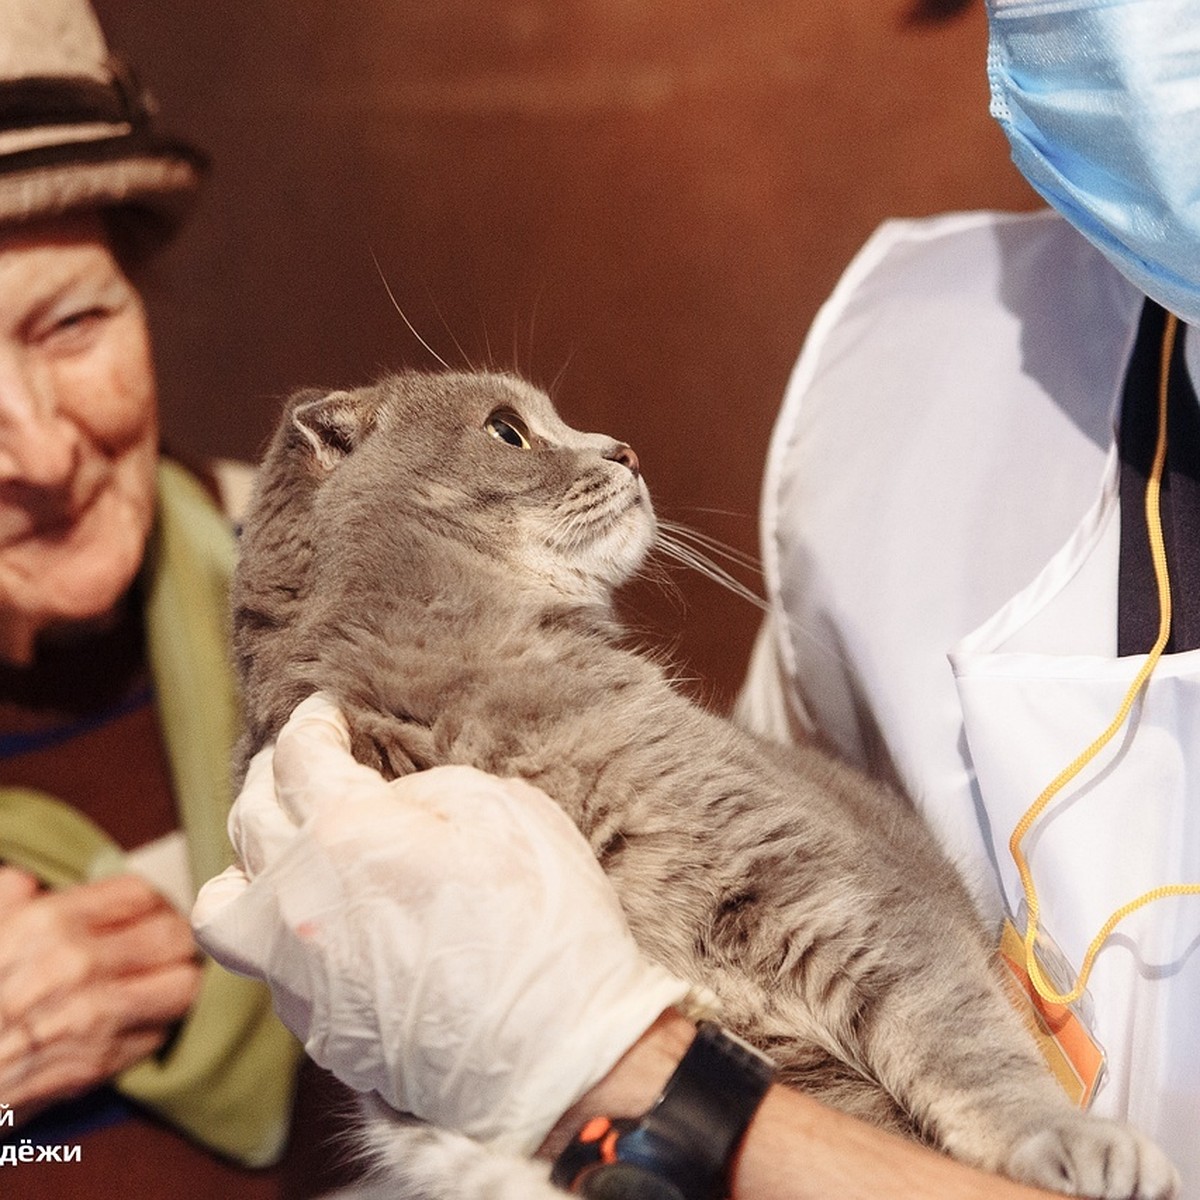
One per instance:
(446, 940)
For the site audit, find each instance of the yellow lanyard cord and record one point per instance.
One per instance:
(1159, 555)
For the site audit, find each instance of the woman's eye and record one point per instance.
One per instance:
(74, 326)
(509, 428)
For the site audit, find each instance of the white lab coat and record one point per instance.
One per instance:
(940, 548)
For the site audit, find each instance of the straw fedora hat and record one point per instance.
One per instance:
(76, 130)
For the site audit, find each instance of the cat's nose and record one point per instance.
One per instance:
(625, 456)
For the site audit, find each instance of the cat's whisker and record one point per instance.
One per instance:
(446, 326)
(558, 378)
(529, 336)
(570, 527)
(717, 512)
(816, 642)
(580, 517)
(656, 574)
(673, 547)
(487, 343)
(712, 544)
(516, 348)
(411, 328)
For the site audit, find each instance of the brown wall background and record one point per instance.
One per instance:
(643, 200)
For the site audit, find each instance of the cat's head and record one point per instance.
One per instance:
(481, 461)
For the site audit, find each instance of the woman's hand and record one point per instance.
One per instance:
(447, 940)
(92, 979)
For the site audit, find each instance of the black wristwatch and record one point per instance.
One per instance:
(682, 1148)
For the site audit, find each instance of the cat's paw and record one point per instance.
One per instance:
(1087, 1156)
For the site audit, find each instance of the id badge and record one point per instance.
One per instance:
(1062, 1032)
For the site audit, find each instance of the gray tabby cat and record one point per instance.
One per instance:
(439, 553)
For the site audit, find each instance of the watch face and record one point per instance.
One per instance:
(627, 1181)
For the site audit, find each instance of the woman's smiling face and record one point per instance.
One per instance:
(78, 431)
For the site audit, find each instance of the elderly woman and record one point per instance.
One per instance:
(117, 712)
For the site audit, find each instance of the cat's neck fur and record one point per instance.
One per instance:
(303, 614)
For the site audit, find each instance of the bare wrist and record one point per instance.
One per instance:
(633, 1084)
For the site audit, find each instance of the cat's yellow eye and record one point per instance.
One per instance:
(508, 428)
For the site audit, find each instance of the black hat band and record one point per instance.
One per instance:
(35, 101)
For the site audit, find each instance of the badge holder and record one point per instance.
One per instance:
(1063, 1033)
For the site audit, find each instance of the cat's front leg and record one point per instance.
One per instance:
(956, 1055)
(1084, 1155)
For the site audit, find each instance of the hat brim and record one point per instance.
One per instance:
(156, 178)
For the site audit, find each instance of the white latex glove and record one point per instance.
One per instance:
(446, 940)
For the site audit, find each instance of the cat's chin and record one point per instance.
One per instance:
(590, 572)
(617, 558)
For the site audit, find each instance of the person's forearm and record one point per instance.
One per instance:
(795, 1148)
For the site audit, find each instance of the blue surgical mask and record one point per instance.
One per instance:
(1100, 100)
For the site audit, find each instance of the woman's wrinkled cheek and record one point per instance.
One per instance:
(111, 394)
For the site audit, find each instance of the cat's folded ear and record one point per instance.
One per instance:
(332, 423)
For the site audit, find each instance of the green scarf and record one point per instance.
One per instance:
(228, 1076)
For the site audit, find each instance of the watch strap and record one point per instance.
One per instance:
(690, 1135)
